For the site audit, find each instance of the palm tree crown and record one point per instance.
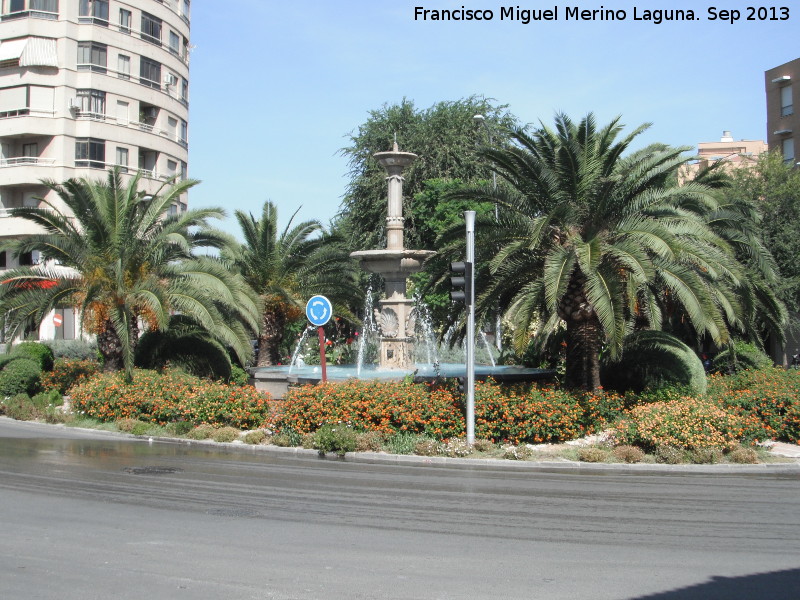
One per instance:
(119, 257)
(595, 240)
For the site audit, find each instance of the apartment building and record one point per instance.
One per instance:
(86, 85)
(733, 154)
(783, 122)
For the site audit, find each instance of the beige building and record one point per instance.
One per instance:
(732, 153)
(783, 122)
(86, 85)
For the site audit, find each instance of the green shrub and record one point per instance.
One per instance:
(427, 447)
(337, 438)
(705, 456)
(226, 434)
(45, 400)
(21, 408)
(73, 349)
(288, 438)
(179, 427)
(238, 376)
(740, 356)
(255, 437)
(186, 346)
(455, 448)
(126, 425)
(67, 372)
(402, 442)
(35, 351)
(140, 428)
(628, 454)
(651, 360)
(483, 445)
(201, 432)
(593, 454)
(521, 452)
(670, 455)
(21, 375)
(743, 456)
(370, 441)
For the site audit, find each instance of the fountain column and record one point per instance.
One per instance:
(395, 264)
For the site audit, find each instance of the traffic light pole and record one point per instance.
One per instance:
(469, 217)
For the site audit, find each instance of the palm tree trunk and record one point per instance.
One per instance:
(583, 354)
(110, 348)
(272, 327)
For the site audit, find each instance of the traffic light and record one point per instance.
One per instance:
(463, 280)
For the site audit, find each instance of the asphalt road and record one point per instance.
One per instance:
(87, 515)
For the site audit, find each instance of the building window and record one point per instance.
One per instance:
(92, 57)
(93, 11)
(787, 148)
(183, 138)
(787, 107)
(151, 28)
(30, 154)
(123, 66)
(184, 170)
(174, 43)
(90, 152)
(185, 10)
(92, 103)
(122, 159)
(27, 259)
(125, 20)
(41, 9)
(150, 73)
(184, 90)
(3, 260)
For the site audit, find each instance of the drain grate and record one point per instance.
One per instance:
(152, 470)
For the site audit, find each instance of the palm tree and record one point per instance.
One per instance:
(119, 257)
(592, 241)
(286, 269)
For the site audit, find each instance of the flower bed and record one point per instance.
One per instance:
(170, 396)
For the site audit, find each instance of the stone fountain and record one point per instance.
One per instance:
(395, 317)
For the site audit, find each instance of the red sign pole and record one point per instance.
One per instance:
(321, 332)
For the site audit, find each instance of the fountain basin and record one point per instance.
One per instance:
(278, 380)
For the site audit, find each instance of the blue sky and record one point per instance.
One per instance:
(276, 87)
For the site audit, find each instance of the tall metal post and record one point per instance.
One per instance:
(469, 217)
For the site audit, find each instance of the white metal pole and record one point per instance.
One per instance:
(469, 217)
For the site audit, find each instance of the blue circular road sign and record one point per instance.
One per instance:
(319, 310)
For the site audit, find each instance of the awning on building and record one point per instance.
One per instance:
(39, 52)
(30, 52)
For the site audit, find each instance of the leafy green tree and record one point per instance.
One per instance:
(119, 257)
(287, 268)
(446, 138)
(593, 241)
(773, 187)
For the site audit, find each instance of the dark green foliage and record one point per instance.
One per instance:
(238, 375)
(40, 353)
(20, 407)
(444, 136)
(186, 346)
(20, 375)
(740, 356)
(652, 360)
(335, 438)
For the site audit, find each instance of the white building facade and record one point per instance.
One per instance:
(87, 85)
